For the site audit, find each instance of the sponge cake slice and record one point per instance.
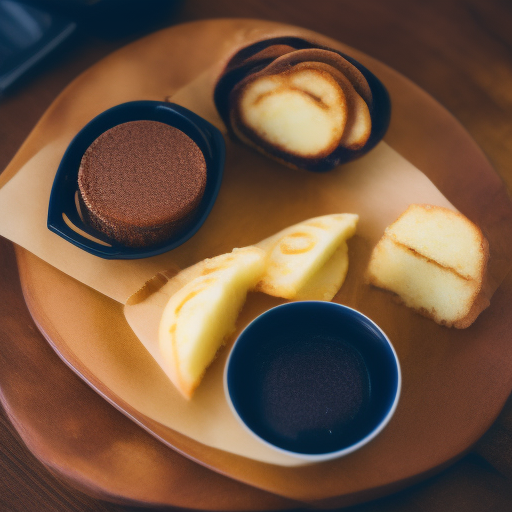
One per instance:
(435, 260)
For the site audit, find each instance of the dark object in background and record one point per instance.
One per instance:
(27, 36)
(30, 30)
(112, 19)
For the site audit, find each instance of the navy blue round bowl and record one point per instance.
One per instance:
(62, 198)
(315, 380)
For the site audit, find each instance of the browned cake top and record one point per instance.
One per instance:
(142, 173)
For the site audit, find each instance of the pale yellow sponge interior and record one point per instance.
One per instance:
(303, 112)
(298, 253)
(198, 317)
(442, 235)
(440, 293)
(435, 260)
(325, 284)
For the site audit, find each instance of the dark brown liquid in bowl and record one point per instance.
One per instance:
(313, 387)
(309, 393)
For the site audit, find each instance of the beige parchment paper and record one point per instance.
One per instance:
(258, 197)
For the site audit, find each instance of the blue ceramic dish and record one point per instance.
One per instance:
(63, 207)
(315, 380)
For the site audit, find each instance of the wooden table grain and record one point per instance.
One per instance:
(459, 51)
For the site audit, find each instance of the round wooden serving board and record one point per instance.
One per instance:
(455, 382)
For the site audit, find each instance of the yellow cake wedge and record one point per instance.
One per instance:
(327, 281)
(296, 256)
(202, 314)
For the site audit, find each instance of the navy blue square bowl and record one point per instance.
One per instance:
(315, 380)
(63, 215)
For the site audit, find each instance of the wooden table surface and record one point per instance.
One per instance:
(459, 51)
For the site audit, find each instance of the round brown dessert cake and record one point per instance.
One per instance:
(141, 182)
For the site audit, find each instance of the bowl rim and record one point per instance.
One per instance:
(319, 457)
